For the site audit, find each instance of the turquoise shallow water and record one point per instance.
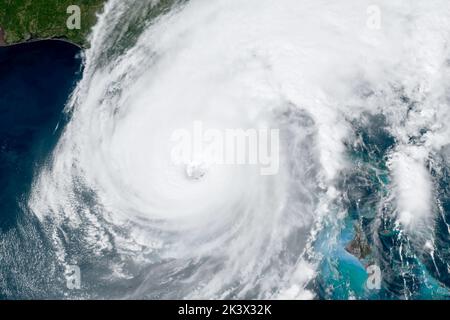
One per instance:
(36, 80)
(406, 271)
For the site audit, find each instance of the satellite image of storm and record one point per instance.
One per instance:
(254, 150)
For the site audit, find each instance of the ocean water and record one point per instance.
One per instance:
(36, 80)
(364, 165)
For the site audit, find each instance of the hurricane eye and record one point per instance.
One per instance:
(195, 171)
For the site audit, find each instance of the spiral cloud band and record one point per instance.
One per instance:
(113, 200)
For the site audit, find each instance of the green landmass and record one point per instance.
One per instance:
(25, 20)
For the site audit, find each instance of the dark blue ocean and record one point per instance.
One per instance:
(36, 80)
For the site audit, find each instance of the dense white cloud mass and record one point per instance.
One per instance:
(307, 67)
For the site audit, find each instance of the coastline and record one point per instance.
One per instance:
(3, 42)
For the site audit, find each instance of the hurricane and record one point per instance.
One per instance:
(359, 93)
